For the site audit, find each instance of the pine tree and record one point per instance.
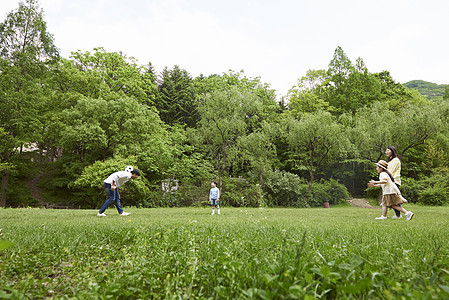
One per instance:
(177, 104)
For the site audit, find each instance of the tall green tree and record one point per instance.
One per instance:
(349, 87)
(315, 140)
(417, 125)
(108, 85)
(395, 95)
(259, 149)
(98, 75)
(26, 54)
(304, 98)
(226, 81)
(110, 75)
(96, 129)
(340, 67)
(24, 39)
(225, 116)
(177, 103)
(374, 128)
(371, 130)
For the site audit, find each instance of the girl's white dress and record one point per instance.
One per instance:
(391, 196)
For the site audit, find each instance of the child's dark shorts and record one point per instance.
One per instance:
(214, 202)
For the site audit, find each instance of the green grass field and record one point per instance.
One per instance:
(245, 253)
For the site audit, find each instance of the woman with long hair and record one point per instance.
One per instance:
(394, 167)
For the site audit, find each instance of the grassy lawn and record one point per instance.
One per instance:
(249, 253)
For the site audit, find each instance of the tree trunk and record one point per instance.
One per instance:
(222, 167)
(4, 185)
(312, 178)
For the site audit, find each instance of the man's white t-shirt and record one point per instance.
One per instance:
(120, 178)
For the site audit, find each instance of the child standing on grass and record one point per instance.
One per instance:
(214, 197)
(391, 196)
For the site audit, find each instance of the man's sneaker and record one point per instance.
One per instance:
(396, 217)
(101, 215)
(381, 218)
(125, 214)
(409, 215)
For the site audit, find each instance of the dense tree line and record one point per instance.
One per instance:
(75, 120)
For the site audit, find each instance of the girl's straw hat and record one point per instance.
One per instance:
(383, 164)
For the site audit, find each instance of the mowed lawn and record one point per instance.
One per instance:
(244, 253)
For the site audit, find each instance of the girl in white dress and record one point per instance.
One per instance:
(391, 196)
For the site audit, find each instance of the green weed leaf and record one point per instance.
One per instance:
(5, 244)
(444, 288)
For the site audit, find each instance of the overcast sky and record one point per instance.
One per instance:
(276, 40)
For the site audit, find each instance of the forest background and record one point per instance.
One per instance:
(67, 123)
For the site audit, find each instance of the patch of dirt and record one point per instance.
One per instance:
(35, 190)
(362, 203)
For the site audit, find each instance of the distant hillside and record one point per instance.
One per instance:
(428, 89)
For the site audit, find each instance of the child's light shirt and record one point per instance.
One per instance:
(389, 187)
(214, 193)
(120, 178)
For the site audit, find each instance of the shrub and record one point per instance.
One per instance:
(338, 192)
(239, 192)
(329, 191)
(411, 189)
(320, 194)
(157, 198)
(433, 190)
(435, 195)
(285, 189)
(193, 193)
(18, 194)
